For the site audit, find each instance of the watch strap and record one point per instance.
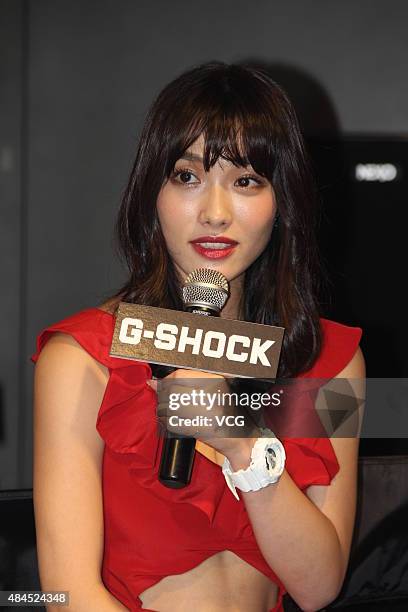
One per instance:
(265, 468)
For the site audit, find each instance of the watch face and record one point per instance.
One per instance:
(271, 458)
(275, 458)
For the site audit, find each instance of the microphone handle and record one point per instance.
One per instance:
(178, 452)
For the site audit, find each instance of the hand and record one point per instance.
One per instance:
(203, 409)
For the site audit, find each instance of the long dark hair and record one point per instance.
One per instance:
(227, 102)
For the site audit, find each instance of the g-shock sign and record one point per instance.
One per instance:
(169, 337)
(212, 344)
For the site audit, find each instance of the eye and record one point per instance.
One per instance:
(182, 176)
(182, 173)
(250, 177)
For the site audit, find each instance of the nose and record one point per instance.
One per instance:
(216, 209)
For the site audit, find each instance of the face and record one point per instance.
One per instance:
(234, 206)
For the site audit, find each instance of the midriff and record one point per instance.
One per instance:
(222, 583)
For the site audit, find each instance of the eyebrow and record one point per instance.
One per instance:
(191, 157)
(194, 157)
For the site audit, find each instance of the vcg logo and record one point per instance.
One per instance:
(215, 344)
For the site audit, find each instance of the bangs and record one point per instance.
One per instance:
(235, 132)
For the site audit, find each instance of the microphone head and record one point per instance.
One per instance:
(205, 288)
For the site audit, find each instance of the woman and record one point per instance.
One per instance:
(220, 158)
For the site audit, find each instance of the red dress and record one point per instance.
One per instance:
(151, 531)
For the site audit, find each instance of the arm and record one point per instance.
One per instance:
(68, 390)
(306, 539)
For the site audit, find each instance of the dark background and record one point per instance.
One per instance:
(76, 79)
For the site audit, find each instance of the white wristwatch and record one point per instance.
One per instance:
(267, 464)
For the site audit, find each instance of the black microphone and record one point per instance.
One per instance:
(205, 292)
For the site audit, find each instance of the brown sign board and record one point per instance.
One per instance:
(198, 342)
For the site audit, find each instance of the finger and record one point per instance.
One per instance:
(185, 374)
(171, 392)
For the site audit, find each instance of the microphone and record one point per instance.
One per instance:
(205, 292)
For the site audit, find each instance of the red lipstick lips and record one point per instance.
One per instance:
(214, 247)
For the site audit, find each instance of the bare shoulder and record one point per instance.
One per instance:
(69, 385)
(350, 383)
(63, 355)
(356, 367)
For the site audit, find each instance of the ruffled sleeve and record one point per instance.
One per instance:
(93, 329)
(312, 460)
(340, 343)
